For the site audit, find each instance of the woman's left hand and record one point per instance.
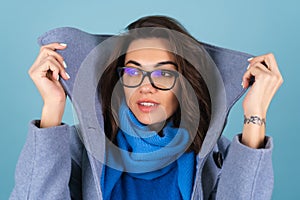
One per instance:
(267, 81)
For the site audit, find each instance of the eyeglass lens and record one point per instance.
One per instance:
(133, 77)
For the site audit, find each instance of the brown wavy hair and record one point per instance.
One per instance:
(187, 107)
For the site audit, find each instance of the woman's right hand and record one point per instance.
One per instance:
(45, 72)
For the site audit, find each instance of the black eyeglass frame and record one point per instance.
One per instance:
(148, 74)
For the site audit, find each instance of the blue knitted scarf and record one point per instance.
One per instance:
(148, 156)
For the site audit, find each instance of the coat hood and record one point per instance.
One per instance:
(85, 51)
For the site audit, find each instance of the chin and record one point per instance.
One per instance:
(149, 119)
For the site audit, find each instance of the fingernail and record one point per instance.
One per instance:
(64, 64)
(63, 44)
(57, 78)
(68, 75)
(242, 84)
(249, 59)
(248, 67)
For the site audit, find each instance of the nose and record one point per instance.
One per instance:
(146, 86)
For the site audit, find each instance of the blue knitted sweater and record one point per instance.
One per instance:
(172, 172)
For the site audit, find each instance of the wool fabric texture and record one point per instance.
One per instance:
(162, 166)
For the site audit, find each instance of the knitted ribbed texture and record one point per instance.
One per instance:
(174, 171)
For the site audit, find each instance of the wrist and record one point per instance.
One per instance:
(254, 131)
(258, 112)
(52, 115)
(255, 119)
(59, 100)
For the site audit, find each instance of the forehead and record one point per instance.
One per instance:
(149, 43)
(149, 50)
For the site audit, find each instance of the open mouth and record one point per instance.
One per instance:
(147, 106)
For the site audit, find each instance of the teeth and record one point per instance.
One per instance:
(147, 104)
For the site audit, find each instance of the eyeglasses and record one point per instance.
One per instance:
(161, 79)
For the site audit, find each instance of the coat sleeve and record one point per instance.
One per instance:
(44, 167)
(246, 173)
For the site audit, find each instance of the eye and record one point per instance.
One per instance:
(162, 73)
(132, 71)
(167, 74)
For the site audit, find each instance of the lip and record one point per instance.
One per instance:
(147, 105)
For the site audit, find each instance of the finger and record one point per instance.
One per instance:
(49, 49)
(55, 46)
(262, 65)
(255, 70)
(268, 59)
(61, 66)
(55, 66)
(50, 68)
(48, 52)
(44, 70)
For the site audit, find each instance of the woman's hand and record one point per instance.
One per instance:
(45, 73)
(267, 81)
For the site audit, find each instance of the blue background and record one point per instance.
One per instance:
(255, 27)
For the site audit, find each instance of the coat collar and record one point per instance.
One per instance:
(80, 56)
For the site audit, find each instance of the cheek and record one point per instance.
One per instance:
(172, 104)
(128, 94)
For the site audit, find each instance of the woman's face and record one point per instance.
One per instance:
(150, 105)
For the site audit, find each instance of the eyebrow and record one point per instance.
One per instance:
(157, 65)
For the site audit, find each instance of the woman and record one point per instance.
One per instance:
(156, 101)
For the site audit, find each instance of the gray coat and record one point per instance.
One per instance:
(56, 163)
